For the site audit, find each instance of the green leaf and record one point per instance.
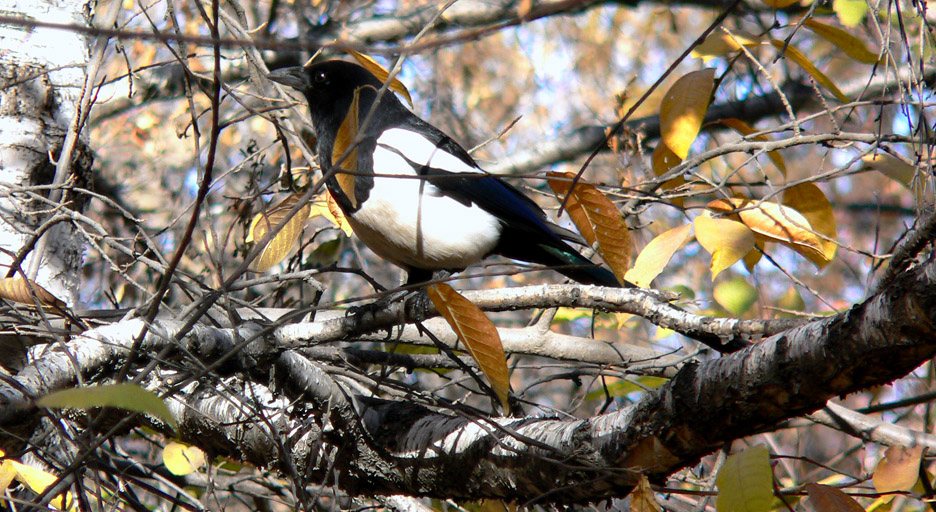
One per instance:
(626, 387)
(127, 396)
(745, 482)
(735, 295)
(850, 12)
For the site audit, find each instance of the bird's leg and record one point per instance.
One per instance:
(417, 305)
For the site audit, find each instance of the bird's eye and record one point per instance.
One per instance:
(320, 77)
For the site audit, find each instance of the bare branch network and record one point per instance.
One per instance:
(355, 408)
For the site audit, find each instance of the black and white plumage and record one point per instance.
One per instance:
(416, 197)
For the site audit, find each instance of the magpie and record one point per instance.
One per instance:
(412, 194)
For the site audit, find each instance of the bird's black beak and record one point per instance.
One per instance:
(293, 77)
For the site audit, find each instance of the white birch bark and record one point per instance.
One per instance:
(42, 72)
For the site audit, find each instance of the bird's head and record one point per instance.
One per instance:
(329, 88)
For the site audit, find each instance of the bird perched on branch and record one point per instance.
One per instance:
(412, 194)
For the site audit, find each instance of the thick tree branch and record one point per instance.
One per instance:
(400, 447)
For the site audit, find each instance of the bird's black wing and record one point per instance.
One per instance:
(488, 192)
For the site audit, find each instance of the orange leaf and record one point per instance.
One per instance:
(597, 219)
(776, 223)
(654, 257)
(809, 200)
(344, 140)
(683, 108)
(898, 470)
(381, 73)
(800, 59)
(745, 129)
(478, 333)
(18, 289)
(726, 240)
(829, 499)
(283, 242)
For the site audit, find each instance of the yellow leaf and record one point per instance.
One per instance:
(654, 257)
(809, 200)
(642, 498)
(7, 474)
(38, 481)
(344, 140)
(124, 396)
(597, 219)
(823, 498)
(803, 62)
(776, 223)
(745, 129)
(523, 10)
(745, 482)
(181, 460)
(662, 161)
(683, 109)
(850, 12)
(18, 289)
(479, 335)
(892, 167)
(325, 206)
(381, 73)
(754, 255)
(735, 295)
(851, 45)
(719, 44)
(898, 470)
(284, 241)
(726, 240)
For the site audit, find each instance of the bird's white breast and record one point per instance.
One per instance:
(409, 222)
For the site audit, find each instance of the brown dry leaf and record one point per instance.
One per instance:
(642, 498)
(776, 223)
(597, 219)
(662, 161)
(809, 200)
(382, 74)
(780, 4)
(745, 129)
(898, 470)
(719, 44)
(283, 242)
(683, 108)
(478, 333)
(851, 45)
(654, 257)
(829, 499)
(803, 61)
(726, 240)
(18, 289)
